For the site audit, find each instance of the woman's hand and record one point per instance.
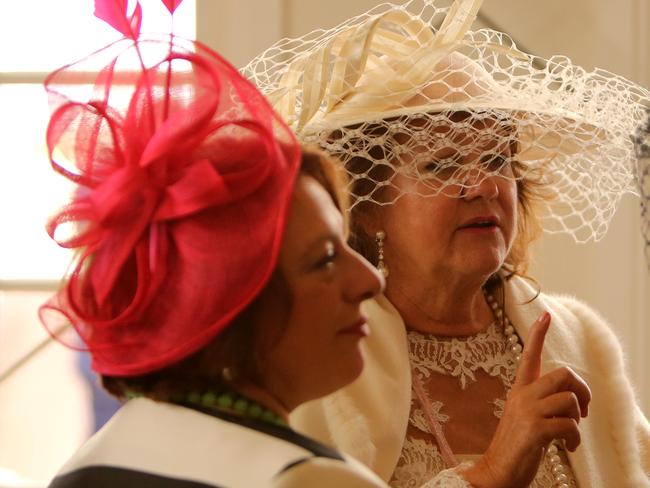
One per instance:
(538, 410)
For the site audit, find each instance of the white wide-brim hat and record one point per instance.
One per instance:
(397, 74)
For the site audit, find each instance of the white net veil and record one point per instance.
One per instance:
(413, 101)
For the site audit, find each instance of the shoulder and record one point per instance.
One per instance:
(583, 322)
(321, 472)
(580, 311)
(110, 477)
(579, 336)
(571, 313)
(169, 441)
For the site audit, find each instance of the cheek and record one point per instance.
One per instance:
(272, 317)
(510, 205)
(314, 303)
(420, 234)
(430, 218)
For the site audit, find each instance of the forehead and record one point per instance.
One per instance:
(313, 215)
(461, 128)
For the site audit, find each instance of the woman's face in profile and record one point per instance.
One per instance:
(318, 347)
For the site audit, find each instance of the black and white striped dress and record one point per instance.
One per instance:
(150, 444)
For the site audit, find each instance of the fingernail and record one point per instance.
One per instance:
(544, 317)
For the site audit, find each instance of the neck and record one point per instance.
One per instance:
(243, 400)
(446, 306)
(265, 399)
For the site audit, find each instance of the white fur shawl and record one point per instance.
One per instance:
(368, 419)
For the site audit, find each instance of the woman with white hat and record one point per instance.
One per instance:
(460, 148)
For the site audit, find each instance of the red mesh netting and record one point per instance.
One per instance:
(184, 176)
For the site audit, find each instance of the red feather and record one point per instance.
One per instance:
(172, 5)
(113, 12)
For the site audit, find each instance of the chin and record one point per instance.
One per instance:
(484, 263)
(484, 271)
(339, 378)
(350, 369)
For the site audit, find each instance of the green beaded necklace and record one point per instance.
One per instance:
(234, 403)
(227, 401)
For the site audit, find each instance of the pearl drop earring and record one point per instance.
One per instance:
(381, 264)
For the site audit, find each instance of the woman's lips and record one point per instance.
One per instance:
(359, 328)
(483, 229)
(480, 225)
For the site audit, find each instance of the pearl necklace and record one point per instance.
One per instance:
(514, 345)
(512, 339)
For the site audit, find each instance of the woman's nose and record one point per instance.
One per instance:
(365, 281)
(479, 184)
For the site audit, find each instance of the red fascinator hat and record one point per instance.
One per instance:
(184, 176)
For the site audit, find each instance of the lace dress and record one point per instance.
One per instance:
(467, 379)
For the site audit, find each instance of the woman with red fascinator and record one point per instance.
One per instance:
(213, 286)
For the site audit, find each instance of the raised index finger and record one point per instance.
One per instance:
(531, 359)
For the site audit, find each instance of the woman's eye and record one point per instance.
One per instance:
(327, 260)
(430, 167)
(497, 162)
(438, 165)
